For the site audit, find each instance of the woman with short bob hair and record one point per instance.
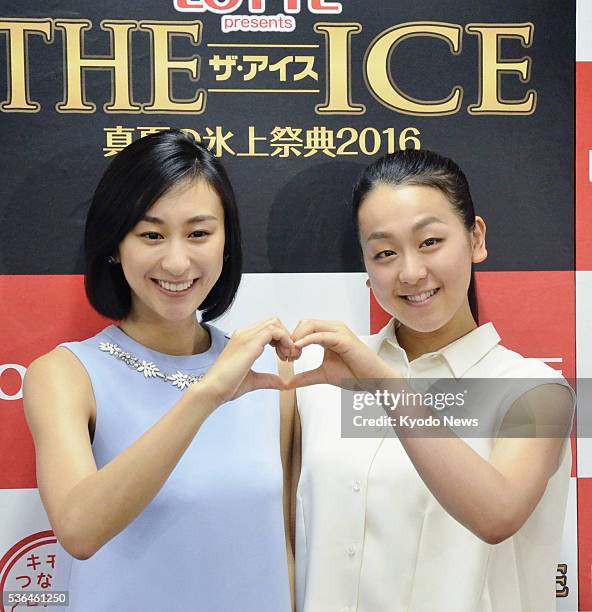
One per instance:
(162, 448)
(415, 508)
(166, 160)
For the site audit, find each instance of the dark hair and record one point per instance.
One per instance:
(413, 167)
(138, 176)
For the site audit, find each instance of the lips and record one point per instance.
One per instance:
(420, 299)
(175, 293)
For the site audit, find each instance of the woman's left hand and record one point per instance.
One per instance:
(345, 356)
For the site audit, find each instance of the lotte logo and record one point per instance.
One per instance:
(221, 7)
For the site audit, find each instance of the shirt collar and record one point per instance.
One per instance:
(375, 341)
(460, 355)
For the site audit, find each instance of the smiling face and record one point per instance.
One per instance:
(180, 242)
(418, 255)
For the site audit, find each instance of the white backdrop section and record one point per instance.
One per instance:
(293, 297)
(584, 31)
(584, 371)
(21, 514)
(569, 551)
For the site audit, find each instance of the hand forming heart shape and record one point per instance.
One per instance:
(345, 357)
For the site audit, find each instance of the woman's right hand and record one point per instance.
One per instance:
(231, 375)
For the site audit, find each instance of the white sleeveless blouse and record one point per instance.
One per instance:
(370, 536)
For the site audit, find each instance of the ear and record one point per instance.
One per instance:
(479, 250)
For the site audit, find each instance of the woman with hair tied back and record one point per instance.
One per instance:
(426, 520)
(162, 449)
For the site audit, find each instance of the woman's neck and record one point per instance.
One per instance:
(416, 343)
(169, 337)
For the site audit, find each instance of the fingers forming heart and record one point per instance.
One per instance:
(285, 352)
(303, 335)
(289, 349)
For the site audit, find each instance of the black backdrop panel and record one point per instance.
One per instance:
(295, 210)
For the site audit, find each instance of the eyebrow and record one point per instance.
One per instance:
(417, 226)
(196, 219)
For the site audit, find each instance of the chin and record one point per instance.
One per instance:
(181, 313)
(426, 324)
(422, 324)
(423, 327)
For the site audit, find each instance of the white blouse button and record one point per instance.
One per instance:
(345, 609)
(356, 486)
(351, 550)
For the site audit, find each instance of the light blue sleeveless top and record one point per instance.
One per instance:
(212, 540)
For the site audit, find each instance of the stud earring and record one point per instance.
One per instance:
(112, 260)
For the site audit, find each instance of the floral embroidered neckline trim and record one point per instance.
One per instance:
(179, 379)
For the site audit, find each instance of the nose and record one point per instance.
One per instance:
(176, 260)
(412, 269)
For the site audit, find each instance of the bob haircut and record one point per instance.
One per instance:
(421, 167)
(138, 176)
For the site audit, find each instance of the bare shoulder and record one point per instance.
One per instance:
(546, 410)
(58, 382)
(58, 359)
(58, 368)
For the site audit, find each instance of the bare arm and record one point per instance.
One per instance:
(87, 507)
(493, 498)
